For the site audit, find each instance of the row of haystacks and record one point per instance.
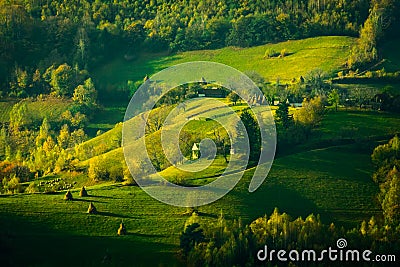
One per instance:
(92, 209)
(82, 193)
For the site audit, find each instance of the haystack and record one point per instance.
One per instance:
(92, 209)
(68, 196)
(83, 192)
(122, 229)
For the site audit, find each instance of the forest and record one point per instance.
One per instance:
(76, 36)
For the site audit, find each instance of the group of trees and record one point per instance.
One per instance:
(99, 170)
(60, 81)
(381, 23)
(389, 99)
(314, 83)
(386, 159)
(11, 174)
(49, 46)
(295, 128)
(223, 243)
(44, 146)
(37, 34)
(50, 41)
(38, 152)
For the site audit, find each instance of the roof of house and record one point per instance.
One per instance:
(195, 147)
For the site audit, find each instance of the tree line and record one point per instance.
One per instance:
(380, 25)
(233, 243)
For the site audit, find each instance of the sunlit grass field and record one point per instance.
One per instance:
(333, 181)
(328, 53)
(51, 108)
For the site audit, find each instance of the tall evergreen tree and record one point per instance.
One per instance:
(253, 133)
(283, 116)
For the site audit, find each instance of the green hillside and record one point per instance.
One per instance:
(307, 182)
(5, 108)
(328, 174)
(328, 53)
(50, 107)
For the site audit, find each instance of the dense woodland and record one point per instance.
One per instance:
(70, 38)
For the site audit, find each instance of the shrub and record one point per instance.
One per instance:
(9, 169)
(178, 180)
(32, 188)
(369, 74)
(117, 173)
(191, 236)
(128, 179)
(14, 186)
(97, 171)
(311, 112)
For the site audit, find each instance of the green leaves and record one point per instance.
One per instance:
(334, 98)
(62, 80)
(253, 132)
(386, 158)
(85, 94)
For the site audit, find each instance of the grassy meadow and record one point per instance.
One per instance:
(49, 107)
(299, 184)
(328, 53)
(331, 180)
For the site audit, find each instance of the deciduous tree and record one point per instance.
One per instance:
(62, 80)
(334, 98)
(311, 112)
(85, 94)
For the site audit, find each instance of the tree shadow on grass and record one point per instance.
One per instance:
(272, 195)
(25, 244)
(199, 213)
(110, 214)
(94, 196)
(87, 200)
(144, 235)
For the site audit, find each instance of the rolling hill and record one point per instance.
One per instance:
(328, 53)
(329, 174)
